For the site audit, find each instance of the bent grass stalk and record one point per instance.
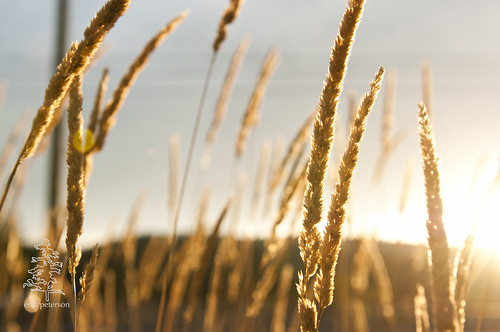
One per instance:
(101, 92)
(55, 92)
(73, 64)
(93, 121)
(107, 119)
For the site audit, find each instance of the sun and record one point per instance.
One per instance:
(487, 225)
(478, 214)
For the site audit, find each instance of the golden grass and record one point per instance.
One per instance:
(321, 145)
(107, 119)
(75, 202)
(73, 64)
(444, 306)
(88, 275)
(228, 17)
(332, 238)
(227, 88)
(231, 12)
(209, 279)
(251, 116)
(295, 147)
(96, 110)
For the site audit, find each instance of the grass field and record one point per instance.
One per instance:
(302, 275)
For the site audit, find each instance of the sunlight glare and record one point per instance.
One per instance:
(478, 212)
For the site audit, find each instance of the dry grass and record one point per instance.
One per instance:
(73, 64)
(444, 306)
(107, 119)
(226, 90)
(295, 148)
(228, 17)
(210, 280)
(251, 116)
(332, 238)
(75, 202)
(321, 145)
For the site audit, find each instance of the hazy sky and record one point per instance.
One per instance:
(458, 38)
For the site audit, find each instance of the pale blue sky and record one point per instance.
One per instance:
(459, 38)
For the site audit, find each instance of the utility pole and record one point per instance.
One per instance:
(57, 136)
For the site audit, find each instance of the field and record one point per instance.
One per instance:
(272, 254)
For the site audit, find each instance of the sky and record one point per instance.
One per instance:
(458, 38)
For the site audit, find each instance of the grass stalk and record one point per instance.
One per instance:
(295, 147)
(332, 237)
(251, 117)
(192, 144)
(321, 146)
(444, 308)
(227, 89)
(75, 202)
(230, 14)
(107, 119)
(87, 277)
(73, 64)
